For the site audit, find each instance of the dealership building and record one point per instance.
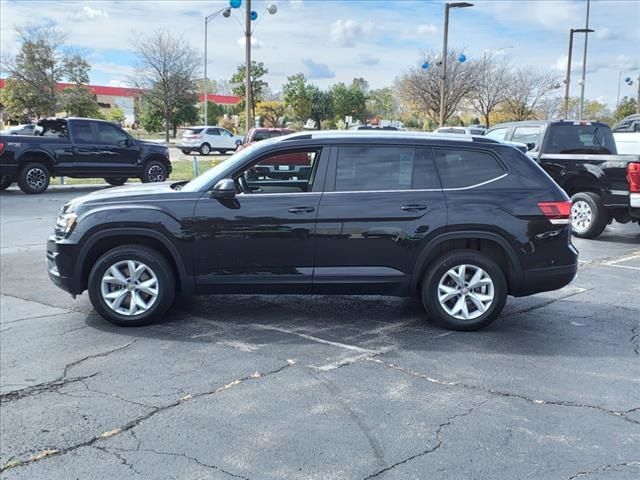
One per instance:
(125, 98)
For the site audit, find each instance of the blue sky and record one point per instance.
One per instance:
(333, 41)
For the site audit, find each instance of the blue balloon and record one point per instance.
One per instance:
(235, 3)
(425, 65)
(627, 79)
(254, 15)
(462, 58)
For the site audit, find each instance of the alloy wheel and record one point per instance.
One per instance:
(156, 173)
(581, 216)
(36, 178)
(466, 292)
(129, 288)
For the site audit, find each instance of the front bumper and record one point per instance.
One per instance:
(60, 265)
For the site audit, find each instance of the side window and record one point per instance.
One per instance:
(82, 132)
(110, 134)
(497, 133)
(281, 172)
(225, 133)
(213, 131)
(526, 135)
(465, 168)
(366, 168)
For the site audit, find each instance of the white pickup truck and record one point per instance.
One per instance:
(627, 134)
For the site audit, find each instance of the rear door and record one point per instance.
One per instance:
(106, 151)
(380, 206)
(213, 138)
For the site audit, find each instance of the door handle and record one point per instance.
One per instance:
(413, 208)
(301, 209)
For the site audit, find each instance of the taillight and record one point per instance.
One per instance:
(1, 147)
(558, 213)
(633, 175)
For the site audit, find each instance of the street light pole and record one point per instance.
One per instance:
(206, 87)
(567, 80)
(247, 73)
(584, 62)
(443, 78)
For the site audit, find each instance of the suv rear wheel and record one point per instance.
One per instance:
(464, 290)
(131, 285)
(34, 178)
(589, 218)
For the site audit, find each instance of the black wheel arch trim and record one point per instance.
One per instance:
(186, 281)
(23, 161)
(467, 234)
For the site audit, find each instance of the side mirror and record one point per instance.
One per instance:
(225, 188)
(531, 146)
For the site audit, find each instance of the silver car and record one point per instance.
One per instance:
(205, 139)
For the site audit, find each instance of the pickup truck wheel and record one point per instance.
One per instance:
(464, 290)
(205, 149)
(5, 182)
(116, 181)
(131, 285)
(589, 218)
(34, 178)
(154, 171)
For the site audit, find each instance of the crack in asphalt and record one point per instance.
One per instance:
(550, 301)
(37, 316)
(605, 468)
(16, 461)
(635, 339)
(122, 459)
(439, 442)
(618, 414)
(62, 380)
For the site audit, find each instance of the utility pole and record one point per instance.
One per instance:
(584, 63)
(443, 77)
(206, 100)
(567, 79)
(247, 50)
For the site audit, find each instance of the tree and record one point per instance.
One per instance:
(626, 107)
(214, 113)
(492, 77)
(270, 113)
(296, 95)
(42, 62)
(348, 101)
(116, 114)
(382, 103)
(419, 88)
(321, 105)
(79, 101)
(526, 87)
(150, 120)
(258, 85)
(166, 73)
(549, 108)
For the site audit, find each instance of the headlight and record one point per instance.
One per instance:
(65, 223)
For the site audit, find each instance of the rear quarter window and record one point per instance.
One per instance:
(461, 168)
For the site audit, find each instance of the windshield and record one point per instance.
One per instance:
(230, 164)
(566, 138)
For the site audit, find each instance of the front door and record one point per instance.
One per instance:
(381, 205)
(109, 152)
(261, 241)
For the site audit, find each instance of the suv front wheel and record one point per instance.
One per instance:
(131, 285)
(464, 290)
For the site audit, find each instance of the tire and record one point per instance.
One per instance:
(5, 182)
(589, 218)
(34, 178)
(116, 181)
(148, 305)
(205, 149)
(186, 152)
(223, 151)
(449, 313)
(154, 171)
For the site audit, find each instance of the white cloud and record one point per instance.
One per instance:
(93, 13)
(626, 63)
(317, 71)
(255, 43)
(605, 34)
(346, 33)
(427, 29)
(367, 59)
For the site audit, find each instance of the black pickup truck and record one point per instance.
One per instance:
(81, 148)
(582, 158)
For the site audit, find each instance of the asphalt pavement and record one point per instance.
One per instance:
(288, 387)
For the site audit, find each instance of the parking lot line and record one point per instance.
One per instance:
(615, 262)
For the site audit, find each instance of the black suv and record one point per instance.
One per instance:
(459, 222)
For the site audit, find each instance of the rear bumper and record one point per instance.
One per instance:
(634, 200)
(9, 170)
(546, 279)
